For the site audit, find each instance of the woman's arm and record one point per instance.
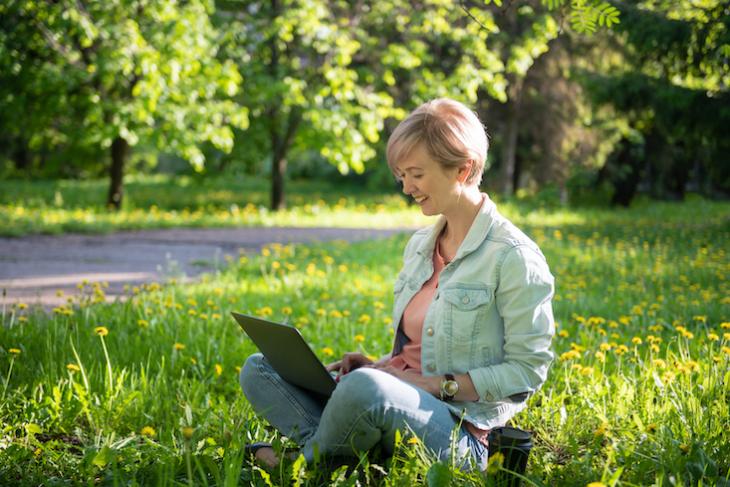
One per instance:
(523, 299)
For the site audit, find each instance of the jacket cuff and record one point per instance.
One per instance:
(485, 384)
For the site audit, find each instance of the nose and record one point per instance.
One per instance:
(407, 186)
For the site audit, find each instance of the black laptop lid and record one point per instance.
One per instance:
(288, 353)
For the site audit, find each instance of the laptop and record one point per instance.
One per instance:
(288, 353)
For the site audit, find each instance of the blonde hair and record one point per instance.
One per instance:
(450, 132)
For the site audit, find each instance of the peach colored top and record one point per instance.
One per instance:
(412, 324)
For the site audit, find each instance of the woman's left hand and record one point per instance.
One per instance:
(431, 384)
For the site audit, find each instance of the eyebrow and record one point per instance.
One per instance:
(410, 169)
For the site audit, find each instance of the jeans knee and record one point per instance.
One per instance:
(250, 373)
(365, 386)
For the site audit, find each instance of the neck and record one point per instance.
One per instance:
(461, 216)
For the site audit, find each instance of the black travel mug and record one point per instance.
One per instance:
(515, 444)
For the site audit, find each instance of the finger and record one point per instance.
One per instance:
(334, 366)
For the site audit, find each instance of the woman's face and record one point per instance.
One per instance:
(433, 188)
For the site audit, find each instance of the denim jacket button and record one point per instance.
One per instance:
(429, 332)
(465, 300)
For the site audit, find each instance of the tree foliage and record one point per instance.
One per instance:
(671, 83)
(124, 71)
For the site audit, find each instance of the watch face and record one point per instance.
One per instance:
(451, 387)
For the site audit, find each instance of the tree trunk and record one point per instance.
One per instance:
(21, 156)
(278, 170)
(509, 144)
(120, 149)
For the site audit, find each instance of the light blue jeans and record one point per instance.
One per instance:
(365, 410)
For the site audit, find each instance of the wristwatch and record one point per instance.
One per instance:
(449, 387)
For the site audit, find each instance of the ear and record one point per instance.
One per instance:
(464, 171)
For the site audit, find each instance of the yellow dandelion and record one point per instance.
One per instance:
(364, 319)
(287, 310)
(187, 432)
(601, 356)
(102, 331)
(621, 349)
(22, 319)
(651, 427)
(725, 325)
(143, 323)
(359, 338)
(72, 368)
(726, 336)
(725, 350)
(712, 336)
(636, 341)
(659, 363)
(22, 306)
(700, 318)
(654, 348)
(335, 314)
(14, 351)
(276, 265)
(604, 347)
(328, 351)
(342, 268)
(179, 346)
(586, 371)
(601, 430)
(148, 431)
(596, 484)
(564, 333)
(684, 447)
(569, 355)
(218, 369)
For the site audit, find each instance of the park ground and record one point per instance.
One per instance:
(144, 391)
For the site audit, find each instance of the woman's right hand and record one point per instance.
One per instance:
(350, 361)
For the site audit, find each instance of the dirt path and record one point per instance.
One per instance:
(33, 269)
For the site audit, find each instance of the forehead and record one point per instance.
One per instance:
(417, 159)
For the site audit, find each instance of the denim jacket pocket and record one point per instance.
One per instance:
(465, 308)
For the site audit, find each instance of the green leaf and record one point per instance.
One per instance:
(103, 457)
(438, 475)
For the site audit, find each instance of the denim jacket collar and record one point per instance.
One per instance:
(477, 232)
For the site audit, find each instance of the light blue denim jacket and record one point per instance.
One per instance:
(491, 315)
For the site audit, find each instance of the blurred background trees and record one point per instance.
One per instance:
(582, 103)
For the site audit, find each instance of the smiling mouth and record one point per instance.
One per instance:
(420, 199)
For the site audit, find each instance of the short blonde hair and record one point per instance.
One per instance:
(450, 132)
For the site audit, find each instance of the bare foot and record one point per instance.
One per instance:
(267, 457)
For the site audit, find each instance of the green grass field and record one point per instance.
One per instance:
(62, 206)
(145, 392)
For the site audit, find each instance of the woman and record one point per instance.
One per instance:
(472, 315)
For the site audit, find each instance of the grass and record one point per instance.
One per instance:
(62, 206)
(145, 392)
